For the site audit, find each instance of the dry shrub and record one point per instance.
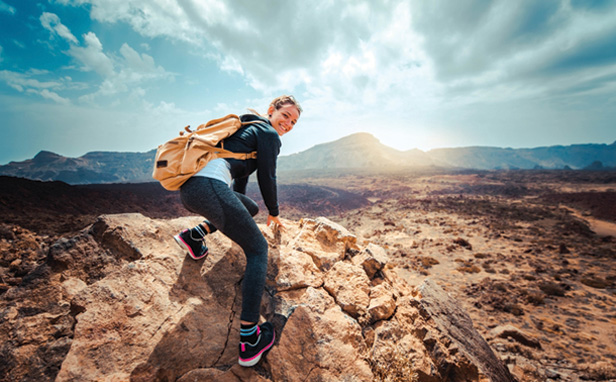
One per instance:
(513, 308)
(427, 261)
(552, 289)
(532, 297)
(467, 267)
(596, 282)
(488, 268)
(502, 287)
(392, 366)
(463, 243)
(600, 371)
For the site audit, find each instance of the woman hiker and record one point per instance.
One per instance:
(209, 194)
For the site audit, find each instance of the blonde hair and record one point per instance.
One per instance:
(279, 102)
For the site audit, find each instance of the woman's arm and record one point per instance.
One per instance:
(268, 148)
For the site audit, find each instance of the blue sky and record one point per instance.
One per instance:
(125, 75)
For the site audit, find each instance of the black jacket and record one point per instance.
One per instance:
(265, 140)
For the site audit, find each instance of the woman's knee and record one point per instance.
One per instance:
(253, 209)
(262, 244)
(256, 247)
(251, 205)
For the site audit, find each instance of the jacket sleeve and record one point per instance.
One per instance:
(268, 148)
(239, 185)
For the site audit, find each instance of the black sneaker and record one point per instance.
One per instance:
(194, 247)
(250, 354)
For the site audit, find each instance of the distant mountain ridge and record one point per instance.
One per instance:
(93, 167)
(364, 150)
(360, 150)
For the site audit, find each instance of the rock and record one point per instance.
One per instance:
(286, 302)
(201, 375)
(510, 331)
(234, 374)
(373, 258)
(325, 241)
(297, 270)
(35, 335)
(349, 285)
(157, 317)
(382, 303)
(598, 371)
(121, 301)
(552, 374)
(318, 346)
(82, 257)
(474, 355)
(72, 286)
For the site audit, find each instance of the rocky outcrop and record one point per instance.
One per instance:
(454, 325)
(144, 312)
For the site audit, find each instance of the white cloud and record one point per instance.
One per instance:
(21, 82)
(133, 69)
(119, 74)
(27, 83)
(418, 70)
(19, 44)
(270, 44)
(52, 23)
(54, 97)
(497, 50)
(4, 7)
(342, 54)
(140, 66)
(92, 57)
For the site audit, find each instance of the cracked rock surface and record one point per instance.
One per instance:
(145, 312)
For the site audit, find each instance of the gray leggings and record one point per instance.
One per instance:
(232, 213)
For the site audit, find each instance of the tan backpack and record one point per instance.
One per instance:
(180, 158)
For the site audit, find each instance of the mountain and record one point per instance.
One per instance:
(363, 150)
(360, 150)
(552, 157)
(93, 167)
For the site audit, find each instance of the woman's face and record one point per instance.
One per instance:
(283, 119)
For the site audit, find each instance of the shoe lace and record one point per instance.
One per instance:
(243, 344)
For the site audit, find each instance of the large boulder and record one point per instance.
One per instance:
(147, 312)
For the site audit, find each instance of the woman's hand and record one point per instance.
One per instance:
(274, 219)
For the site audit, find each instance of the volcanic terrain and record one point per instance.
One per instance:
(528, 254)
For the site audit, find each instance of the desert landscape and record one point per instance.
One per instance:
(531, 249)
(527, 254)
(445, 173)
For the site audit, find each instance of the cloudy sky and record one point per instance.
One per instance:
(125, 75)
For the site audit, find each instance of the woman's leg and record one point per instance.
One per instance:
(228, 211)
(206, 227)
(250, 204)
(232, 213)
